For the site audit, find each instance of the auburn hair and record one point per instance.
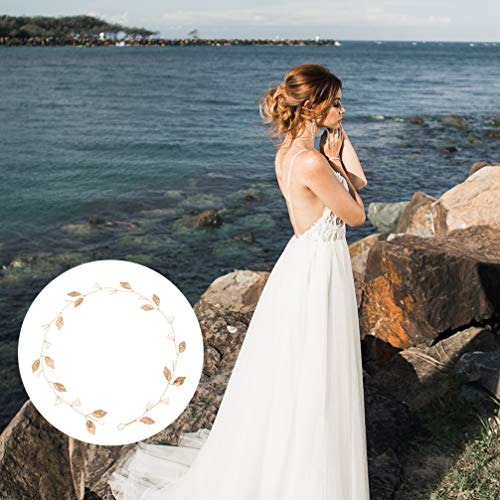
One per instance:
(306, 93)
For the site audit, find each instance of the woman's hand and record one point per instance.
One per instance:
(332, 146)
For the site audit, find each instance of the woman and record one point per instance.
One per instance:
(291, 425)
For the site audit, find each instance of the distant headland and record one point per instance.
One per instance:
(89, 31)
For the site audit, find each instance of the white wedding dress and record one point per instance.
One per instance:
(291, 424)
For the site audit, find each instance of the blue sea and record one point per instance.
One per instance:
(136, 139)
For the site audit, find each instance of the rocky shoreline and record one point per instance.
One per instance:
(428, 302)
(59, 41)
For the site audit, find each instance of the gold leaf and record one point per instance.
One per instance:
(74, 294)
(49, 361)
(78, 301)
(147, 307)
(35, 365)
(156, 299)
(167, 373)
(179, 380)
(90, 426)
(59, 322)
(99, 413)
(59, 387)
(182, 346)
(147, 420)
(126, 285)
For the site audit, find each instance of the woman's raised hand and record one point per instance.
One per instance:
(329, 145)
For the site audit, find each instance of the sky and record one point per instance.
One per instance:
(413, 20)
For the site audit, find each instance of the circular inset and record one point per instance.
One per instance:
(110, 352)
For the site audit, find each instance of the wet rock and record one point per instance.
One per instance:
(474, 139)
(99, 221)
(493, 134)
(417, 120)
(448, 149)
(201, 201)
(41, 264)
(247, 237)
(160, 212)
(207, 218)
(455, 121)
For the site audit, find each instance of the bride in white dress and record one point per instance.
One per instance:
(291, 425)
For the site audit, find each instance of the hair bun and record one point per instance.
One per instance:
(283, 106)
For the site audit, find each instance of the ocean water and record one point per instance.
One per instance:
(141, 138)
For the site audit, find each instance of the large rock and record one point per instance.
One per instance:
(479, 164)
(389, 426)
(483, 368)
(419, 375)
(238, 291)
(474, 202)
(31, 451)
(359, 250)
(418, 288)
(385, 216)
(417, 216)
(37, 461)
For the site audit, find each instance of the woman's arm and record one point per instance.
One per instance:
(351, 163)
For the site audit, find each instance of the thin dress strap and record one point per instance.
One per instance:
(288, 186)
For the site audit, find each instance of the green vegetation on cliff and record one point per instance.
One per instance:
(68, 26)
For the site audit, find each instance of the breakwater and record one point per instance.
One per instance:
(48, 41)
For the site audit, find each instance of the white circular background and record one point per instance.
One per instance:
(130, 352)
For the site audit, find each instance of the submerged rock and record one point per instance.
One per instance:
(417, 120)
(456, 121)
(207, 218)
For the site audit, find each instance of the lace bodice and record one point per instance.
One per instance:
(329, 226)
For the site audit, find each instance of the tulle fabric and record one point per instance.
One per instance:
(291, 425)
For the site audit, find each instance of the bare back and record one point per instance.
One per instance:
(307, 207)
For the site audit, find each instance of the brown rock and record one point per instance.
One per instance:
(38, 461)
(477, 166)
(417, 216)
(359, 285)
(417, 288)
(207, 218)
(237, 291)
(359, 252)
(474, 202)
